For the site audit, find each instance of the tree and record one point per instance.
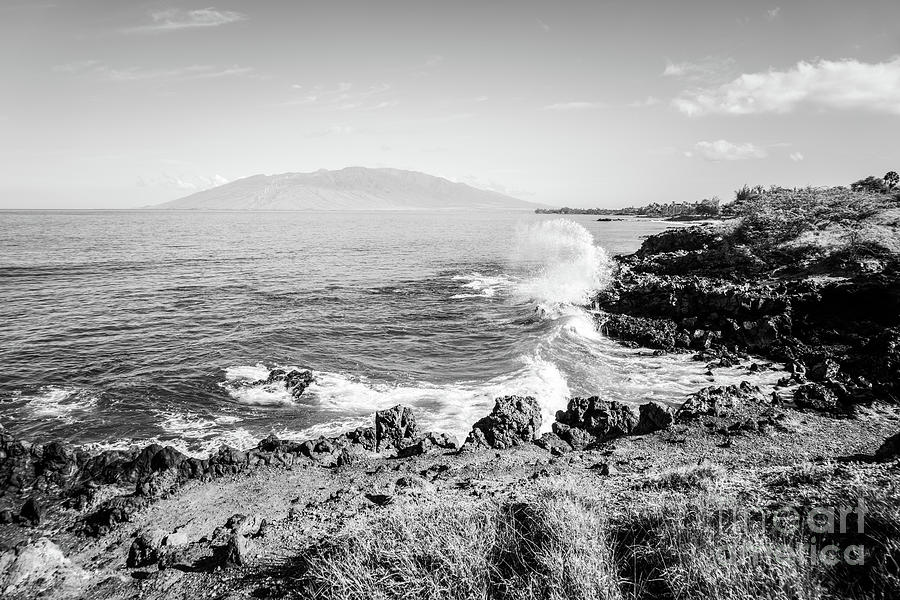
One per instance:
(870, 184)
(891, 179)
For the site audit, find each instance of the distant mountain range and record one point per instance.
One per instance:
(352, 188)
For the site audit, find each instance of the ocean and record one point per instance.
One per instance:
(122, 327)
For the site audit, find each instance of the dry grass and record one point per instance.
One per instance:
(673, 534)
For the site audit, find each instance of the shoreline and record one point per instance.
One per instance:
(326, 517)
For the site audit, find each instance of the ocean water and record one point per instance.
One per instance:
(119, 327)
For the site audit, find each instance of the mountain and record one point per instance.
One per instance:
(352, 188)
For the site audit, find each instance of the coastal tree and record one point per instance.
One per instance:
(871, 184)
(891, 179)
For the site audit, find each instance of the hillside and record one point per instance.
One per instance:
(353, 188)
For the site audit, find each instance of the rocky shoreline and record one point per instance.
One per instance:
(268, 522)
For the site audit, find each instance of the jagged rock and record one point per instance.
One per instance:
(824, 370)
(295, 381)
(603, 419)
(32, 512)
(395, 428)
(817, 397)
(661, 334)
(146, 549)
(654, 416)
(720, 401)
(575, 437)
(553, 443)
(237, 552)
(428, 442)
(514, 420)
(6, 516)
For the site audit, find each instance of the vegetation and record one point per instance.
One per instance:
(674, 534)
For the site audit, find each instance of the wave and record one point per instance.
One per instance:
(67, 404)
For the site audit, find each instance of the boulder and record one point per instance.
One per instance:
(245, 525)
(395, 428)
(427, 443)
(237, 552)
(295, 381)
(603, 419)
(146, 549)
(720, 401)
(553, 443)
(654, 416)
(817, 397)
(575, 437)
(32, 512)
(824, 370)
(514, 420)
(413, 484)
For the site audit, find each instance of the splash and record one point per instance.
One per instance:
(564, 265)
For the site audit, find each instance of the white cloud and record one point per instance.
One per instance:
(709, 68)
(720, 150)
(797, 156)
(343, 96)
(542, 25)
(648, 101)
(773, 13)
(840, 85)
(124, 74)
(579, 105)
(173, 19)
(182, 182)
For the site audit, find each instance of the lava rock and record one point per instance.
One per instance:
(720, 401)
(395, 428)
(146, 549)
(514, 420)
(553, 443)
(428, 442)
(817, 397)
(603, 419)
(654, 416)
(32, 512)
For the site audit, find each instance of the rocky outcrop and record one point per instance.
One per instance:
(653, 416)
(601, 419)
(426, 443)
(395, 428)
(820, 398)
(514, 420)
(294, 381)
(721, 401)
(889, 449)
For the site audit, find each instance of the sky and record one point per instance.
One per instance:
(121, 104)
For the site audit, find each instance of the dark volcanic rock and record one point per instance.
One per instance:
(603, 419)
(817, 397)
(426, 443)
(575, 437)
(513, 421)
(395, 428)
(553, 443)
(720, 401)
(112, 513)
(661, 334)
(295, 381)
(653, 417)
(32, 512)
(146, 549)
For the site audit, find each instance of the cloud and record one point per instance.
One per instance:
(343, 96)
(126, 74)
(174, 19)
(574, 106)
(648, 101)
(720, 150)
(709, 68)
(773, 13)
(184, 183)
(796, 156)
(542, 25)
(824, 84)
